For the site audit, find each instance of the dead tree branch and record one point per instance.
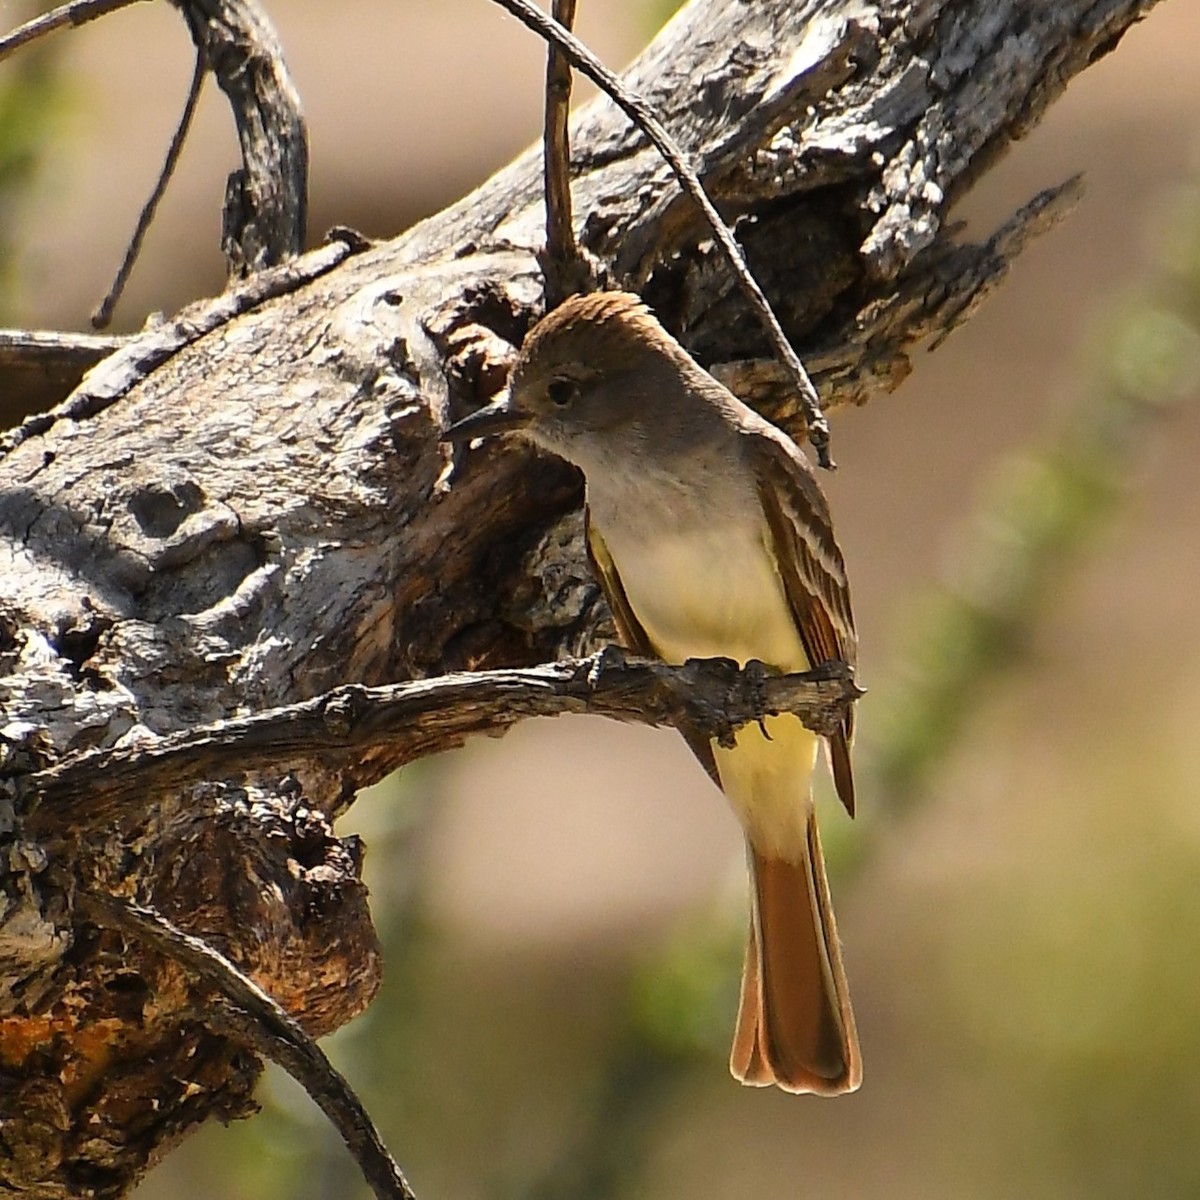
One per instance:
(567, 271)
(247, 1013)
(131, 359)
(266, 200)
(363, 734)
(248, 506)
(40, 367)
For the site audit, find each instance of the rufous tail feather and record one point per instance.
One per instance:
(795, 1027)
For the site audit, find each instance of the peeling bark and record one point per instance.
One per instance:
(248, 506)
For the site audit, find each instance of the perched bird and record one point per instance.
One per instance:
(711, 537)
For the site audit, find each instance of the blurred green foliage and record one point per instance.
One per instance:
(1067, 967)
(1037, 519)
(1084, 1031)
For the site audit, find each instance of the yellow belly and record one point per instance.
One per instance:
(718, 593)
(769, 784)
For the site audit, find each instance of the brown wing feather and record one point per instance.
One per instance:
(814, 575)
(629, 629)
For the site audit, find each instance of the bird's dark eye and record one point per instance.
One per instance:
(561, 391)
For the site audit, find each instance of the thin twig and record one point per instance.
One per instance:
(76, 13)
(253, 1016)
(365, 733)
(562, 258)
(104, 311)
(640, 113)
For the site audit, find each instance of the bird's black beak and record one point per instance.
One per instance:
(497, 417)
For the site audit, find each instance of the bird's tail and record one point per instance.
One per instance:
(795, 1027)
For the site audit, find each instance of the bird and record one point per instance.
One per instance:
(711, 537)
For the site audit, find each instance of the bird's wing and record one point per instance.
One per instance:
(813, 572)
(633, 636)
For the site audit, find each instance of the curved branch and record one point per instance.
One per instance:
(266, 201)
(102, 316)
(252, 1016)
(365, 733)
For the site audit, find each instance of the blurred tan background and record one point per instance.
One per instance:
(566, 905)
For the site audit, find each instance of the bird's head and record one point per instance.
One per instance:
(589, 378)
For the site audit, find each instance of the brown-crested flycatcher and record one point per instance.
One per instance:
(711, 537)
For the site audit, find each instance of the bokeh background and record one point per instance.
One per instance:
(564, 908)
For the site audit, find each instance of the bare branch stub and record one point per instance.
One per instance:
(266, 201)
(77, 12)
(38, 368)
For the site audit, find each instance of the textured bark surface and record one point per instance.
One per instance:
(248, 505)
(363, 733)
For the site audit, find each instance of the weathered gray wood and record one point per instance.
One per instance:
(247, 1014)
(266, 199)
(362, 732)
(261, 510)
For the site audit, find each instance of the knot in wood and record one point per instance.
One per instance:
(343, 709)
